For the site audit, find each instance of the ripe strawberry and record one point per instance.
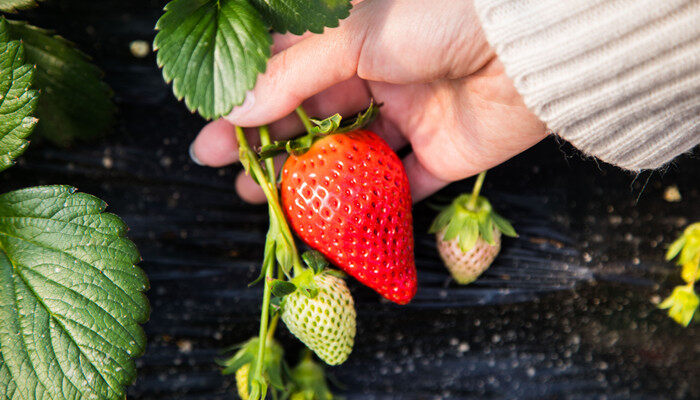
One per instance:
(242, 374)
(468, 235)
(326, 322)
(348, 197)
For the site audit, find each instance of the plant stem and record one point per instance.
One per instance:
(273, 326)
(477, 189)
(270, 191)
(269, 264)
(304, 119)
(269, 162)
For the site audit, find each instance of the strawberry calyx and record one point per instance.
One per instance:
(318, 129)
(304, 278)
(470, 217)
(309, 380)
(246, 359)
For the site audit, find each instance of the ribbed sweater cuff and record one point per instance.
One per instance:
(619, 79)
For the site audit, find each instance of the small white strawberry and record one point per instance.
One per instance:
(321, 313)
(468, 235)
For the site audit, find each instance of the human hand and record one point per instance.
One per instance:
(444, 92)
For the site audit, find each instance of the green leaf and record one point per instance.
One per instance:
(681, 304)
(212, 51)
(75, 103)
(71, 297)
(282, 288)
(17, 101)
(14, 5)
(299, 16)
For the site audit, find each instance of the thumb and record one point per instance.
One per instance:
(303, 70)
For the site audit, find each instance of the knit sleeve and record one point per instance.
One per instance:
(619, 79)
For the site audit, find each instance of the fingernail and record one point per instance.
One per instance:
(243, 108)
(194, 156)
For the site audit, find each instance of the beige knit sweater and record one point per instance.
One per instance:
(619, 79)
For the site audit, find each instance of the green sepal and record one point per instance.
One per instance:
(285, 257)
(309, 381)
(362, 119)
(269, 252)
(326, 126)
(276, 304)
(247, 354)
(337, 273)
(468, 224)
(681, 304)
(282, 288)
(469, 235)
(486, 228)
(306, 284)
(315, 260)
(329, 126)
(503, 225)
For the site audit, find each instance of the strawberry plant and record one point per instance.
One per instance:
(71, 295)
(343, 191)
(683, 301)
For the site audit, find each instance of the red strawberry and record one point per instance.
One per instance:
(348, 197)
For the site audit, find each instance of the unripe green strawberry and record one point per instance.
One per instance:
(242, 381)
(326, 322)
(309, 381)
(468, 235)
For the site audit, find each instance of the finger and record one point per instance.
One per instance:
(346, 98)
(423, 182)
(215, 145)
(282, 42)
(309, 67)
(248, 190)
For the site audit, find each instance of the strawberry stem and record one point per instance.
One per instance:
(267, 180)
(475, 192)
(304, 119)
(269, 162)
(273, 326)
(250, 159)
